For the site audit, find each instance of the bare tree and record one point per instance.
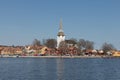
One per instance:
(107, 47)
(44, 42)
(89, 45)
(51, 43)
(85, 44)
(81, 43)
(36, 42)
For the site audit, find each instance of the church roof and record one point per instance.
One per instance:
(61, 34)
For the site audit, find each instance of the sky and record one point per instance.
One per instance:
(22, 21)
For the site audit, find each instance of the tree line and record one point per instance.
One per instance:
(81, 44)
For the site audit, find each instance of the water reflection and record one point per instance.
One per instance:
(60, 68)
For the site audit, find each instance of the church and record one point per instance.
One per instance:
(61, 37)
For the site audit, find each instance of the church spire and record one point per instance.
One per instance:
(60, 24)
(61, 33)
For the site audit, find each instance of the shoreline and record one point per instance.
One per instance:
(59, 57)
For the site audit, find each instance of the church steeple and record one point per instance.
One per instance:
(60, 25)
(61, 33)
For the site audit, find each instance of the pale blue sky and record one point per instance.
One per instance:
(21, 21)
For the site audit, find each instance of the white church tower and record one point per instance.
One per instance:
(60, 35)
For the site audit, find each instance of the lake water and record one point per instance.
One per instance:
(59, 69)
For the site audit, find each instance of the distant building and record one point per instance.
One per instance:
(60, 35)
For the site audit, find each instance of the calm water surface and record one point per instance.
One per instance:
(59, 69)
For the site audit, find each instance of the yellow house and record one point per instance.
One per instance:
(116, 53)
